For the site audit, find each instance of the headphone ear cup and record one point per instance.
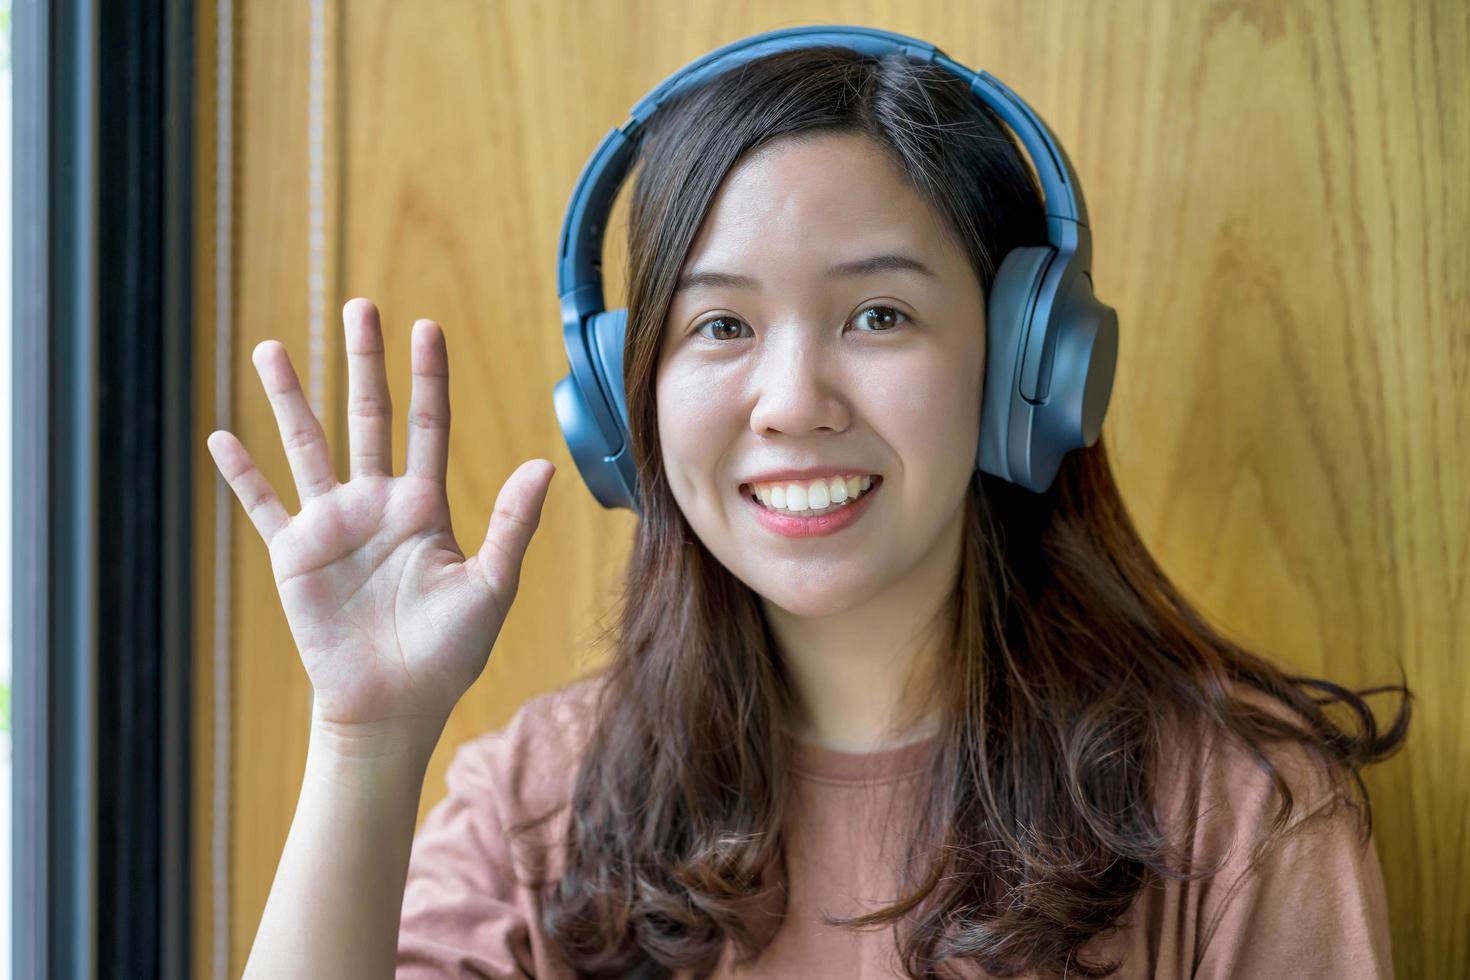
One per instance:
(1021, 440)
(1083, 368)
(609, 331)
(592, 411)
(1012, 298)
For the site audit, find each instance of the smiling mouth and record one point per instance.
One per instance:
(777, 498)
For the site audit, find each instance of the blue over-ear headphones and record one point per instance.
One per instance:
(1052, 345)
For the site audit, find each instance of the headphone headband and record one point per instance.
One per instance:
(580, 256)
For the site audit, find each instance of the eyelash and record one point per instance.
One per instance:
(876, 306)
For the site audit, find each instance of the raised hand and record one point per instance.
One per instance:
(392, 621)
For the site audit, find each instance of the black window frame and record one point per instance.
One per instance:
(102, 195)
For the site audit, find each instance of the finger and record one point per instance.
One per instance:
(301, 433)
(250, 486)
(369, 407)
(428, 407)
(515, 519)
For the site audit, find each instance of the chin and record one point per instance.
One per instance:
(812, 603)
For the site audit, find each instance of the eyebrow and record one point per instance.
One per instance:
(888, 262)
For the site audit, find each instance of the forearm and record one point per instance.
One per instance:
(335, 903)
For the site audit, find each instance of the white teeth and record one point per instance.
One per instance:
(811, 496)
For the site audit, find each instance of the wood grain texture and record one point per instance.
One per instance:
(1280, 209)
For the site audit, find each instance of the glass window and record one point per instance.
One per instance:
(5, 468)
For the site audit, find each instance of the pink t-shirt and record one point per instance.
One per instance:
(1313, 906)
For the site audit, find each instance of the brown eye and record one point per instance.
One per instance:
(722, 326)
(878, 324)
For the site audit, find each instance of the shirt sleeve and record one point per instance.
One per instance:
(1313, 905)
(463, 914)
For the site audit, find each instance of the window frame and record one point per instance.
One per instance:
(102, 203)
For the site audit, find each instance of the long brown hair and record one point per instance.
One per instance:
(1069, 650)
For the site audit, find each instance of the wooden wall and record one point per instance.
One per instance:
(1279, 196)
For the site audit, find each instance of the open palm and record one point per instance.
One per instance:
(393, 623)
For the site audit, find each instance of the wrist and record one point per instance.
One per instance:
(382, 788)
(388, 744)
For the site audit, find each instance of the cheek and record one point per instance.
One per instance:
(695, 421)
(927, 411)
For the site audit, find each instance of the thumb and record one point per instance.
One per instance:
(516, 516)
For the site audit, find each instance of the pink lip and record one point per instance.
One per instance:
(811, 527)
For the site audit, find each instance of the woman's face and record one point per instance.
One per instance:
(876, 373)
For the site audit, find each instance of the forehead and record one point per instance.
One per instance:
(802, 203)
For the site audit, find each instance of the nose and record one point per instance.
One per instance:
(798, 386)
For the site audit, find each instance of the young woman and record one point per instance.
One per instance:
(933, 724)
